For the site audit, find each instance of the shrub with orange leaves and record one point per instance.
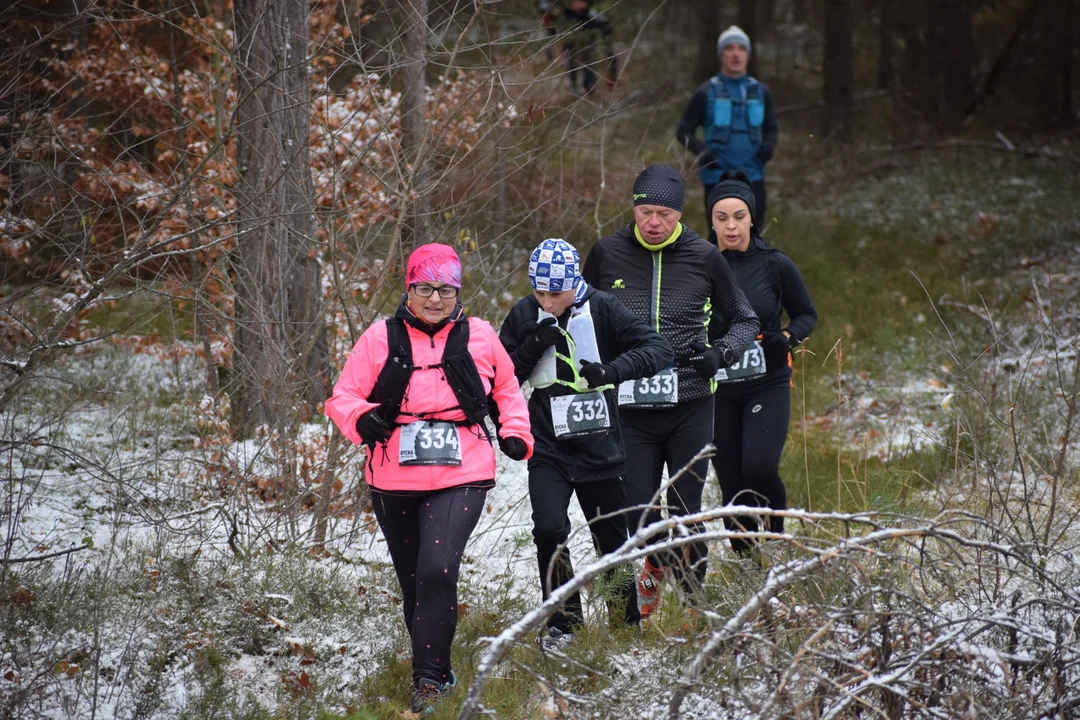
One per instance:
(133, 130)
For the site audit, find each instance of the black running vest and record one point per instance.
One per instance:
(457, 365)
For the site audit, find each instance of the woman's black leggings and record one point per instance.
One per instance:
(749, 434)
(426, 535)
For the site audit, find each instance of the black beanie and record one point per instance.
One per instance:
(733, 184)
(660, 185)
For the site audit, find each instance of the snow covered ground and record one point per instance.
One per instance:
(124, 479)
(182, 584)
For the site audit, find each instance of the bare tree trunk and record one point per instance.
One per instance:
(1055, 54)
(708, 19)
(989, 82)
(748, 21)
(501, 223)
(373, 43)
(75, 208)
(838, 84)
(800, 12)
(886, 43)
(1069, 18)
(280, 359)
(910, 75)
(201, 308)
(503, 138)
(960, 62)
(321, 513)
(768, 16)
(413, 124)
(932, 34)
(1042, 61)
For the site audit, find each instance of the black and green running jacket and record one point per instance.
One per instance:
(683, 288)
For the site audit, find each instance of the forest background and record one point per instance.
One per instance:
(203, 204)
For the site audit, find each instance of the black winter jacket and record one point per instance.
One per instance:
(624, 341)
(587, 20)
(685, 291)
(773, 286)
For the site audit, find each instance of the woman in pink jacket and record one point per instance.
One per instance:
(415, 390)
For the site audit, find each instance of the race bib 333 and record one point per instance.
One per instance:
(659, 391)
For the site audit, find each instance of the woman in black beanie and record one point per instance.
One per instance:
(753, 396)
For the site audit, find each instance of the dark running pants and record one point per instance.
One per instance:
(750, 433)
(549, 493)
(579, 60)
(426, 536)
(760, 208)
(671, 436)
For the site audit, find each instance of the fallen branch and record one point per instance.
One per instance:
(983, 145)
(636, 548)
(47, 556)
(976, 311)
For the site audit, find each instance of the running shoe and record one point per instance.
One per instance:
(429, 692)
(555, 640)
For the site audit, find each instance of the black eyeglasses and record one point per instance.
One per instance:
(445, 291)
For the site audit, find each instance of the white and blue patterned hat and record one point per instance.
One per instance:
(555, 266)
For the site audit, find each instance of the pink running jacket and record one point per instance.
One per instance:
(428, 391)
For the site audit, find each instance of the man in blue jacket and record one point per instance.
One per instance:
(738, 118)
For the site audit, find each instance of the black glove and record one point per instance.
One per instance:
(547, 332)
(372, 428)
(776, 349)
(597, 374)
(707, 360)
(707, 160)
(513, 448)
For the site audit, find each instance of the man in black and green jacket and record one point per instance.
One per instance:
(679, 283)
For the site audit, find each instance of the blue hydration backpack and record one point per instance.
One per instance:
(718, 115)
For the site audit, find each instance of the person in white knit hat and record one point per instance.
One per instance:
(576, 344)
(738, 119)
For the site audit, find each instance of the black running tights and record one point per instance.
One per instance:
(749, 435)
(672, 437)
(426, 535)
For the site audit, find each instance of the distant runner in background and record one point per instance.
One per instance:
(589, 41)
(416, 390)
(753, 396)
(575, 344)
(677, 282)
(737, 115)
(549, 17)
